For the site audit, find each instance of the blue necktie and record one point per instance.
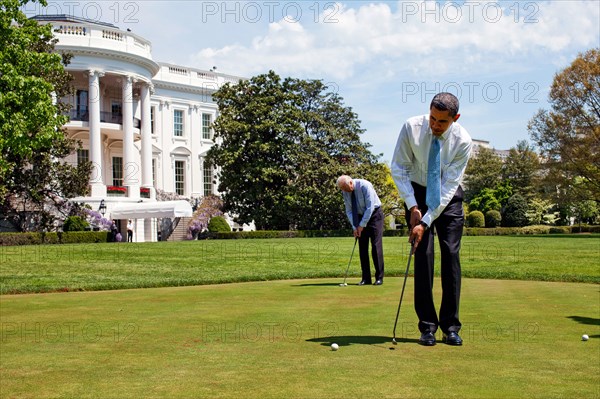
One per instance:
(355, 219)
(434, 180)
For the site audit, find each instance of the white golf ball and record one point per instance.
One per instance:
(584, 337)
(335, 347)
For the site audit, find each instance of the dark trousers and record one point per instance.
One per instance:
(129, 235)
(449, 229)
(374, 232)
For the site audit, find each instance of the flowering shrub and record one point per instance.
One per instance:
(210, 206)
(116, 190)
(96, 219)
(144, 192)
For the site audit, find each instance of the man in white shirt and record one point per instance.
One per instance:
(363, 209)
(434, 201)
(129, 231)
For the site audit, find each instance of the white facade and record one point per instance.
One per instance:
(144, 125)
(479, 144)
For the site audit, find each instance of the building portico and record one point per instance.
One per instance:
(143, 125)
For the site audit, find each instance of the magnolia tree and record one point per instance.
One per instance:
(281, 144)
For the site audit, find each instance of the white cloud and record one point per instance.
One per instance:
(370, 52)
(419, 38)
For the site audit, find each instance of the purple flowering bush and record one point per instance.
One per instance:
(210, 206)
(94, 218)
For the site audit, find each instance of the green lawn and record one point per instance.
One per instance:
(271, 340)
(50, 268)
(254, 338)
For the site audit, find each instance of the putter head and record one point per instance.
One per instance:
(394, 341)
(343, 285)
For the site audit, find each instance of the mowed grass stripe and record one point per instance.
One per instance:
(25, 269)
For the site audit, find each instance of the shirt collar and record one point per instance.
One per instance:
(444, 135)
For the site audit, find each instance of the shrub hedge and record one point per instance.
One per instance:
(539, 229)
(71, 237)
(218, 224)
(90, 237)
(75, 223)
(279, 234)
(493, 218)
(294, 234)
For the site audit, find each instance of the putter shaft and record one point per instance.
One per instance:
(350, 261)
(412, 250)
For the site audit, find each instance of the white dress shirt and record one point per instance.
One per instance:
(409, 162)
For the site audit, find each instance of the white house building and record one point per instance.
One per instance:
(144, 125)
(479, 144)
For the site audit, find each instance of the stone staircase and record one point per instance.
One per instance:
(180, 231)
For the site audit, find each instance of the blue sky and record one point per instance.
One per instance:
(385, 58)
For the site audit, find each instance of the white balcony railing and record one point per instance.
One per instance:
(101, 37)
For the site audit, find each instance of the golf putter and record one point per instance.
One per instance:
(350, 261)
(412, 250)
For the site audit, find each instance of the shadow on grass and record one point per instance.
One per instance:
(573, 235)
(318, 285)
(585, 320)
(347, 340)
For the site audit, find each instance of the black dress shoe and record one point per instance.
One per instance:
(452, 339)
(378, 282)
(427, 339)
(364, 282)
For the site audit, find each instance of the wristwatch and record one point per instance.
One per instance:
(424, 225)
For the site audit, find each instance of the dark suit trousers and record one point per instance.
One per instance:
(449, 229)
(374, 232)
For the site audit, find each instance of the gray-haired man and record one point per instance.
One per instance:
(363, 209)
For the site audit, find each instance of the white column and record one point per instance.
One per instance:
(149, 230)
(131, 170)
(146, 141)
(201, 173)
(94, 99)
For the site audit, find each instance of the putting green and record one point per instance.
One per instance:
(272, 340)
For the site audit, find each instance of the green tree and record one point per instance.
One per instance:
(537, 210)
(254, 135)
(485, 201)
(34, 184)
(521, 169)
(568, 136)
(483, 171)
(585, 211)
(328, 145)
(391, 202)
(503, 192)
(280, 146)
(492, 199)
(515, 212)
